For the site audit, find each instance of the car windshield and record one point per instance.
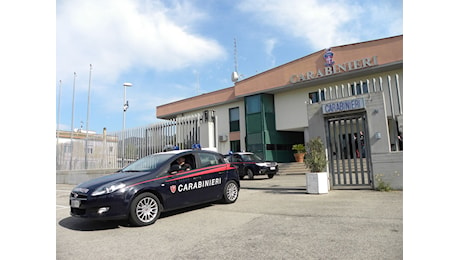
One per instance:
(250, 157)
(147, 163)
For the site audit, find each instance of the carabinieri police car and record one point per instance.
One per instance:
(157, 183)
(250, 164)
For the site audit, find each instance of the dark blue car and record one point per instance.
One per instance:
(157, 183)
(249, 164)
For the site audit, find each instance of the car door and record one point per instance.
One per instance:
(210, 176)
(179, 185)
(237, 161)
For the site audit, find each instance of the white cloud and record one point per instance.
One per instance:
(121, 35)
(269, 46)
(322, 23)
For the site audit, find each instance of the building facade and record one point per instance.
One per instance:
(351, 96)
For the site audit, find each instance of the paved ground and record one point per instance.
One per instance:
(272, 219)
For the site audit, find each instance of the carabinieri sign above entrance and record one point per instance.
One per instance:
(333, 68)
(345, 105)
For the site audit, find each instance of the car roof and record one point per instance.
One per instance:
(175, 151)
(240, 153)
(187, 150)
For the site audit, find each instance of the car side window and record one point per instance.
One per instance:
(183, 163)
(208, 159)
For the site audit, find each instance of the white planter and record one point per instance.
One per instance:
(317, 183)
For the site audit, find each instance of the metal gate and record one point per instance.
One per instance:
(349, 152)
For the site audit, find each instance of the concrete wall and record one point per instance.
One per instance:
(388, 168)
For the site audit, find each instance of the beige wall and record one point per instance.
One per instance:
(291, 110)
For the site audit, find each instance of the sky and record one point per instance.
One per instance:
(171, 50)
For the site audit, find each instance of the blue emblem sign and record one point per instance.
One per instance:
(345, 105)
(328, 58)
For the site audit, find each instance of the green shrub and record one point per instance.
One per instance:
(299, 148)
(383, 186)
(315, 159)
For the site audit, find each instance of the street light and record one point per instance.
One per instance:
(125, 107)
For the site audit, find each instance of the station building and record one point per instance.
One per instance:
(350, 95)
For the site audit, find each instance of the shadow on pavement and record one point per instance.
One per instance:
(90, 225)
(81, 224)
(278, 190)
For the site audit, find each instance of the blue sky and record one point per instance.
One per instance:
(171, 50)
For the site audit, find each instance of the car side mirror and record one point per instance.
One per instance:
(174, 168)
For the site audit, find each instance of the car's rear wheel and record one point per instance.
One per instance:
(145, 209)
(250, 173)
(230, 192)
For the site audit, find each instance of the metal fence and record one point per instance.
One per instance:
(79, 150)
(142, 141)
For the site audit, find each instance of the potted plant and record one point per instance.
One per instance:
(300, 152)
(315, 160)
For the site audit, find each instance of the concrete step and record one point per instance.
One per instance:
(292, 168)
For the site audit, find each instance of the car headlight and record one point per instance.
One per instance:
(261, 164)
(106, 189)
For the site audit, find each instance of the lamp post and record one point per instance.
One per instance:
(125, 107)
(87, 117)
(71, 123)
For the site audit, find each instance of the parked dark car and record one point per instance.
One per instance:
(157, 183)
(249, 164)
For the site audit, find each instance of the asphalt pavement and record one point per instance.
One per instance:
(272, 219)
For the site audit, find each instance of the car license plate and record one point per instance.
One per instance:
(272, 168)
(75, 203)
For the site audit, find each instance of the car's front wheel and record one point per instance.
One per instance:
(230, 192)
(250, 173)
(144, 210)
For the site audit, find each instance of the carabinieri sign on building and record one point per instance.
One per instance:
(345, 105)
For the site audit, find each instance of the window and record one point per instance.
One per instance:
(235, 146)
(253, 104)
(396, 135)
(208, 159)
(67, 148)
(314, 96)
(279, 147)
(356, 88)
(234, 115)
(235, 158)
(188, 159)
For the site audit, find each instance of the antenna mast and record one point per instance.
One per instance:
(235, 54)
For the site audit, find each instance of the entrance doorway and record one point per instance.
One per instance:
(349, 151)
